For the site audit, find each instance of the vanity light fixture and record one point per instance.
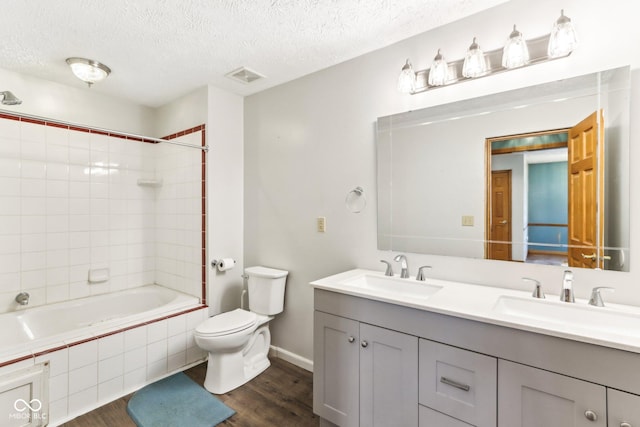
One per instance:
(407, 79)
(517, 52)
(475, 63)
(439, 71)
(88, 70)
(563, 38)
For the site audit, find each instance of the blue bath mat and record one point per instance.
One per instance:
(176, 401)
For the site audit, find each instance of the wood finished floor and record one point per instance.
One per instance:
(281, 396)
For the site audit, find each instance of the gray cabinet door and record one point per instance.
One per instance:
(335, 369)
(530, 397)
(623, 408)
(388, 378)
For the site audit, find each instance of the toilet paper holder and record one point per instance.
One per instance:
(215, 262)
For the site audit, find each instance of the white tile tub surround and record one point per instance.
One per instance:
(89, 374)
(70, 201)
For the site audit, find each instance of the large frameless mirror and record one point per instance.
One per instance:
(536, 175)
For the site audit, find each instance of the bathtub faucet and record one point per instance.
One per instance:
(22, 298)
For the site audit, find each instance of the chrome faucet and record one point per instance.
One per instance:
(389, 269)
(566, 293)
(421, 276)
(596, 298)
(22, 298)
(537, 290)
(404, 273)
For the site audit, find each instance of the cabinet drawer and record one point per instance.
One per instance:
(431, 418)
(623, 408)
(459, 383)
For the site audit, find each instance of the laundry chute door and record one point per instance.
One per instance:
(586, 192)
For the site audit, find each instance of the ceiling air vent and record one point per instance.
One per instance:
(244, 75)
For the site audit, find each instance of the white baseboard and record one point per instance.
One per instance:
(290, 357)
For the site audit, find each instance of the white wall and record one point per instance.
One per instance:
(225, 182)
(310, 141)
(76, 104)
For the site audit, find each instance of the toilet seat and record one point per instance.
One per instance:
(227, 323)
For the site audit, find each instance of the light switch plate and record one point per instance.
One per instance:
(467, 220)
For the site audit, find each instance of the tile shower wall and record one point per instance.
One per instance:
(70, 202)
(179, 213)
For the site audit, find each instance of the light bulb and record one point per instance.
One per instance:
(475, 63)
(563, 38)
(515, 53)
(438, 71)
(407, 79)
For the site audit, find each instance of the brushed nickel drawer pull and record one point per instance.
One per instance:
(455, 384)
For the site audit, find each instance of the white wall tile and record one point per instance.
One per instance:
(157, 331)
(110, 346)
(33, 169)
(177, 343)
(58, 387)
(156, 369)
(83, 378)
(58, 410)
(156, 351)
(110, 368)
(32, 132)
(134, 338)
(83, 354)
(111, 389)
(176, 361)
(135, 378)
(83, 401)
(176, 325)
(135, 359)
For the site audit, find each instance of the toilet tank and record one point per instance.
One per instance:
(266, 289)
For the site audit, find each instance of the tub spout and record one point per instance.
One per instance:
(22, 298)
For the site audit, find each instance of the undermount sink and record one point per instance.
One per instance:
(575, 315)
(393, 286)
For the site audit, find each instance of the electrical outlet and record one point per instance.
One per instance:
(467, 220)
(321, 224)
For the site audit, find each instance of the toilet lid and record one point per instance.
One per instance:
(227, 323)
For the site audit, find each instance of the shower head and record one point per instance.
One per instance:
(9, 98)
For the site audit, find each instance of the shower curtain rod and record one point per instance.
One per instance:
(205, 148)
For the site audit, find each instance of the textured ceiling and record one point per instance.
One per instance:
(162, 49)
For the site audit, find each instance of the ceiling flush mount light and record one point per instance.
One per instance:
(475, 63)
(88, 70)
(516, 53)
(439, 71)
(563, 38)
(407, 79)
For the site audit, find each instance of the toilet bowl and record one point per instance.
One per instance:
(238, 341)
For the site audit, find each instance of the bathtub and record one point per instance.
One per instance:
(72, 357)
(37, 328)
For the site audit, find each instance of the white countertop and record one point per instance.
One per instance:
(481, 303)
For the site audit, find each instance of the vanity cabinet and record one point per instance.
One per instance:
(377, 363)
(531, 397)
(623, 409)
(364, 375)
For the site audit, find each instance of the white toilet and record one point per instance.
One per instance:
(238, 341)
